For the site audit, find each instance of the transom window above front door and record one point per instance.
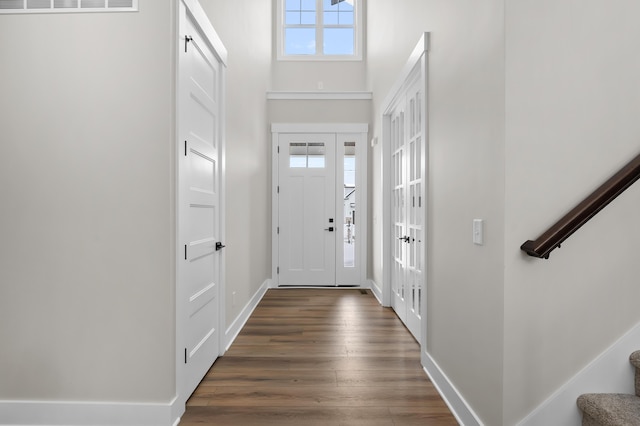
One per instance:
(319, 30)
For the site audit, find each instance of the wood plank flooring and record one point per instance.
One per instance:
(319, 357)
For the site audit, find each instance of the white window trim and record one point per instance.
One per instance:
(358, 36)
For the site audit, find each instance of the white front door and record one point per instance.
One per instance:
(306, 200)
(199, 206)
(407, 210)
(320, 198)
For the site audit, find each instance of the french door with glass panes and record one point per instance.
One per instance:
(318, 188)
(407, 210)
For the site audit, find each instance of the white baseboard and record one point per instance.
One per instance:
(454, 400)
(610, 372)
(54, 413)
(243, 316)
(376, 290)
(70, 413)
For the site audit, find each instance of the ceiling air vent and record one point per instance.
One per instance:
(11, 4)
(120, 3)
(38, 4)
(64, 4)
(90, 4)
(57, 6)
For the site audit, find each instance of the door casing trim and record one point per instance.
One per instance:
(337, 128)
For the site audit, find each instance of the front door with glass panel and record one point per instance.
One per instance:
(317, 213)
(307, 209)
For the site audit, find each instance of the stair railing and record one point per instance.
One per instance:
(553, 237)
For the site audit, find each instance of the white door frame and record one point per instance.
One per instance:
(361, 172)
(417, 63)
(200, 20)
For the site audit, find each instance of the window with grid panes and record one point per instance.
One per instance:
(319, 29)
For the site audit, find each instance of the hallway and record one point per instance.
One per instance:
(319, 357)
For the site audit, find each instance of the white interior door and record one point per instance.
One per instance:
(407, 210)
(199, 205)
(398, 213)
(415, 212)
(306, 204)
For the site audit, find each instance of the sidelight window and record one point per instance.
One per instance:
(349, 204)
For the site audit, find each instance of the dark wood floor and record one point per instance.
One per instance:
(319, 357)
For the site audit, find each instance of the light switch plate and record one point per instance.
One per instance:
(478, 231)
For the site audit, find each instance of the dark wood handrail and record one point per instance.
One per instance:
(572, 221)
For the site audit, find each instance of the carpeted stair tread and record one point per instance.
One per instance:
(634, 358)
(611, 409)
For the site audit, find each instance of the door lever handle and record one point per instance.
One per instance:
(405, 239)
(219, 246)
(330, 229)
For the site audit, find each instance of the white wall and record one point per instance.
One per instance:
(87, 216)
(572, 121)
(308, 76)
(305, 75)
(518, 142)
(320, 111)
(466, 179)
(245, 29)
(87, 206)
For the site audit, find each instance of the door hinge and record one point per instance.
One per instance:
(278, 189)
(278, 270)
(185, 252)
(185, 148)
(278, 150)
(185, 355)
(278, 230)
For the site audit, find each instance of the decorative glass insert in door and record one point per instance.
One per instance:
(349, 204)
(306, 155)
